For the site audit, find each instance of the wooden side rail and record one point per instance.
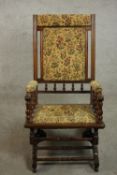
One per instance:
(60, 91)
(65, 159)
(57, 138)
(63, 147)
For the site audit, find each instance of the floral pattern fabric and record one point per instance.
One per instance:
(64, 53)
(63, 20)
(64, 114)
(31, 86)
(96, 86)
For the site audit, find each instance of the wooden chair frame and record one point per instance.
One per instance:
(91, 133)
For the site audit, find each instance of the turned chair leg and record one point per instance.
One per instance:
(95, 151)
(34, 157)
(96, 158)
(35, 134)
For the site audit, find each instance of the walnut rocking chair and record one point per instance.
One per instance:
(64, 59)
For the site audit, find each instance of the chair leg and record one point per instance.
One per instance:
(87, 133)
(95, 151)
(34, 157)
(96, 158)
(39, 135)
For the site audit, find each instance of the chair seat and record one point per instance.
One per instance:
(64, 114)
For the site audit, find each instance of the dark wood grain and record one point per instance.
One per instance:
(35, 50)
(63, 147)
(93, 48)
(65, 159)
(86, 55)
(41, 52)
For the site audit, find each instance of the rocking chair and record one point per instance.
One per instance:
(64, 59)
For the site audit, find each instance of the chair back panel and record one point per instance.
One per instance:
(64, 47)
(64, 53)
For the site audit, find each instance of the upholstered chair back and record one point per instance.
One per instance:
(64, 46)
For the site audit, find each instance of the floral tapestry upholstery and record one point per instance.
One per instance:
(31, 86)
(64, 114)
(96, 86)
(64, 53)
(64, 20)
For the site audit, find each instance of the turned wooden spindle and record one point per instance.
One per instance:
(54, 87)
(99, 106)
(81, 88)
(73, 88)
(28, 106)
(34, 157)
(46, 87)
(64, 87)
(97, 101)
(95, 150)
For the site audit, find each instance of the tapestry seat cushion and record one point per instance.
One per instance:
(64, 114)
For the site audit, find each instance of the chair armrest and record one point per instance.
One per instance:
(96, 86)
(97, 99)
(31, 86)
(31, 98)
